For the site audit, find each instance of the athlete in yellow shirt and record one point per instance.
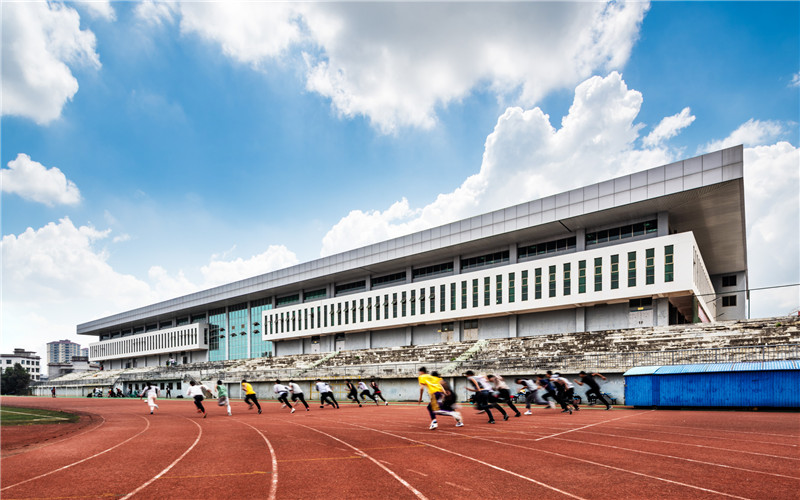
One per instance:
(250, 396)
(436, 392)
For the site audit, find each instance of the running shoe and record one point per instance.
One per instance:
(386, 404)
(434, 425)
(608, 408)
(283, 406)
(518, 414)
(490, 422)
(204, 414)
(259, 411)
(505, 417)
(528, 413)
(292, 411)
(151, 413)
(459, 424)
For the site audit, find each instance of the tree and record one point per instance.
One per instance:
(15, 380)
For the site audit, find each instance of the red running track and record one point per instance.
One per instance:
(380, 452)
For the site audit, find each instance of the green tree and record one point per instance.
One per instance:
(15, 380)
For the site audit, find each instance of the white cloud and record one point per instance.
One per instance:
(99, 9)
(219, 272)
(33, 181)
(398, 64)
(155, 13)
(669, 127)
(40, 41)
(750, 133)
(795, 80)
(525, 158)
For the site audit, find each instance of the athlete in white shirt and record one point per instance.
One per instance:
(326, 395)
(150, 392)
(362, 386)
(282, 391)
(530, 392)
(503, 393)
(297, 394)
(196, 391)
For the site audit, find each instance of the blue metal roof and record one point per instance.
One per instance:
(753, 366)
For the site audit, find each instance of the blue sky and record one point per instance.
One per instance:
(199, 143)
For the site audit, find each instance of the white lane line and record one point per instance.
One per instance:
(701, 446)
(41, 417)
(417, 472)
(587, 426)
(454, 485)
(273, 489)
(706, 436)
(376, 462)
(526, 478)
(36, 447)
(683, 458)
(83, 460)
(170, 466)
(613, 467)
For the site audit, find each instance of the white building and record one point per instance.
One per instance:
(657, 247)
(28, 359)
(62, 351)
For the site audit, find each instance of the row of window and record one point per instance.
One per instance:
(472, 293)
(166, 340)
(622, 232)
(23, 362)
(547, 247)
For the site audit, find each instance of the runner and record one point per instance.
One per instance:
(481, 387)
(352, 392)
(222, 394)
(530, 392)
(436, 393)
(250, 396)
(297, 394)
(549, 391)
(326, 394)
(196, 391)
(593, 387)
(561, 387)
(449, 403)
(150, 392)
(365, 391)
(503, 392)
(282, 391)
(376, 391)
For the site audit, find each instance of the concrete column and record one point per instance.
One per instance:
(457, 331)
(512, 254)
(409, 335)
(512, 325)
(409, 274)
(580, 240)
(368, 282)
(663, 223)
(661, 312)
(331, 288)
(580, 319)
(457, 264)
(369, 340)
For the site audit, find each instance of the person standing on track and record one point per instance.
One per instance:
(196, 392)
(549, 391)
(297, 394)
(150, 392)
(282, 391)
(436, 393)
(503, 392)
(352, 392)
(593, 387)
(482, 388)
(530, 392)
(326, 394)
(376, 391)
(250, 396)
(222, 395)
(365, 392)
(53, 391)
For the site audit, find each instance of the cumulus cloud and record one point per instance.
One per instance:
(398, 64)
(218, 272)
(525, 158)
(99, 9)
(795, 80)
(41, 41)
(669, 127)
(751, 133)
(33, 181)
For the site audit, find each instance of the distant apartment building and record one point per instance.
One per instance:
(62, 351)
(28, 359)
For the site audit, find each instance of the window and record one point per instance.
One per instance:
(475, 293)
(361, 310)
(446, 327)
(403, 304)
(442, 301)
(614, 272)
(435, 270)
(582, 276)
(386, 307)
(486, 291)
(729, 301)
(369, 309)
(622, 232)
(471, 324)
(524, 285)
(598, 274)
(552, 281)
(346, 313)
(484, 260)
(378, 308)
(452, 296)
(640, 304)
(537, 294)
(315, 294)
(499, 288)
(726, 280)
(649, 266)
(413, 302)
(356, 286)
(432, 298)
(463, 295)
(394, 305)
(669, 266)
(388, 279)
(325, 314)
(631, 269)
(511, 287)
(289, 299)
(567, 278)
(547, 247)
(422, 301)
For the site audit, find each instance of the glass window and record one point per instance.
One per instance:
(511, 290)
(463, 295)
(388, 279)
(669, 266)
(729, 301)
(289, 299)
(546, 247)
(413, 302)
(650, 267)
(471, 324)
(435, 270)
(499, 289)
(622, 232)
(524, 285)
(552, 281)
(598, 274)
(403, 304)
(582, 276)
(394, 305)
(361, 310)
(369, 309)
(356, 286)
(729, 280)
(475, 293)
(442, 299)
(422, 301)
(432, 298)
(537, 294)
(486, 291)
(452, 296)
(484, 260)
(567, 278)
(631, 269)
(386, 307)
(315, 294)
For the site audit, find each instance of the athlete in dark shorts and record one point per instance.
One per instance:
(594, 388)
(352, 393)
(549, 390)
(503, 392)
(376, 391)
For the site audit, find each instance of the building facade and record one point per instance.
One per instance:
(657, 247)
(28, 359)
(62, 351)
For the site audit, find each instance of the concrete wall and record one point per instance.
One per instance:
(389, 338)
(493, 328)
(739, 311)
(545, 323)
(426, 334)
(287, 347)
(360, 340)
(607, 317)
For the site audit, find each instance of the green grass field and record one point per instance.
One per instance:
(11, 415)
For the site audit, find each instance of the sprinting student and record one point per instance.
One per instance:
(561, 391)
(481, 387)
(449, 403)
(593, 387)
(352, 392)
(222, 395)
(376, 391)
(250, 396)
(365, 392)
(297, 394)
(282, 391)
(549, 390)
(436, 393)
(569, 391)
(326, 395)
(503, 392)
(530, 392)
(196, 391)
(150, 392)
